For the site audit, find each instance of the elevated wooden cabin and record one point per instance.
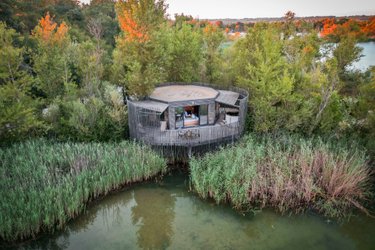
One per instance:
(188, 115)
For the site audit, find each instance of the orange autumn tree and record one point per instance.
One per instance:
(132, 29)
(369, 28)
(210, 28)
(350, 27)
(219, 24)
(135, 19)
(51, 57)
(49, 33)
(329, 27)
(360, 30)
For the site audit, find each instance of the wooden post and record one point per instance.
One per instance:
(172, 117)
(211, 113)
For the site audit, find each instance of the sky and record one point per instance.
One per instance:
(211, 9)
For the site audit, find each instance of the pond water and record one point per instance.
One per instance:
(368, 58)
(166, 215)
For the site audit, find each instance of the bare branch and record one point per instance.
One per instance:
(95, 28)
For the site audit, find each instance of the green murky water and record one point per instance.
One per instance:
(166, 216)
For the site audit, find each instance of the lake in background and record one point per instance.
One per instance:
(368, 58)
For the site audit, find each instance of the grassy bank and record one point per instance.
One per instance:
(288, 173)
(44, 184)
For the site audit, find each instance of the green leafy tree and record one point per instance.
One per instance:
(346, 53)
(89, 62)
(186, 54)
(266, 74)
(302, 53)
(365, 113)
(213, 37)
(7, 13)
(18, 110)
(103, 13)
(92, 110)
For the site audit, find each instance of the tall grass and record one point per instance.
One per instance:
(288, 173)
(44, 184)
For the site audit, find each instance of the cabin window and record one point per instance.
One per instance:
(203, 114)
(189, 116)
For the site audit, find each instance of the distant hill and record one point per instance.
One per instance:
(279, 19)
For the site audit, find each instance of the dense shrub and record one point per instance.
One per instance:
(288, 173)
(100, 116)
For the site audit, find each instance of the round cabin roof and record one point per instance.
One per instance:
(178, 93)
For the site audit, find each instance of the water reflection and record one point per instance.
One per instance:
(154, 214)
(44, 242)
(165, 215)
(108, 211)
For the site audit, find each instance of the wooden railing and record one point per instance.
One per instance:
(190, 136)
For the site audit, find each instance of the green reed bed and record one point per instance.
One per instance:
(44, 184)
(289, 173)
